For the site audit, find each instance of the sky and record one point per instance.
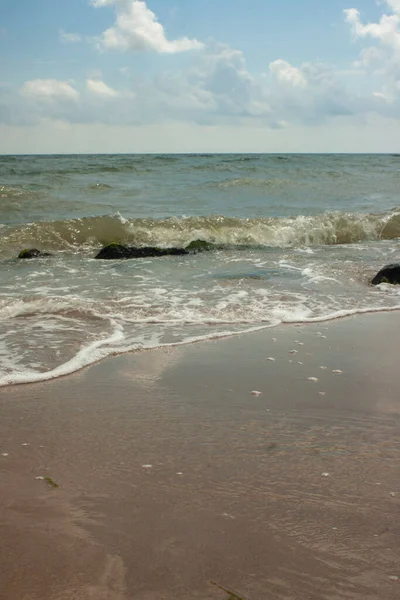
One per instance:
(88, 76)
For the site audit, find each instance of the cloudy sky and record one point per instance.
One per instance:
(199, 75)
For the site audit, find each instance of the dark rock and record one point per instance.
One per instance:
(33, 253)
(115, 251)
(389, 274)
(199, 246)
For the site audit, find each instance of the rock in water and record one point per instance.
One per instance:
(33, 253)
(389, 274)
(199, 246)
(115, 251)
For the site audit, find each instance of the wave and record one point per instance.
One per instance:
(11, 192)
(115, 344)
(92, 232)
(253, 182)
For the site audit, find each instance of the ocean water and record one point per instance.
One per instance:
(300, 237)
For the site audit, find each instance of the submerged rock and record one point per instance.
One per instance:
(199, 246)
(115, 251)
(389, 274)
(33, 253)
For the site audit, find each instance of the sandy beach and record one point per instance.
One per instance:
(177, 483)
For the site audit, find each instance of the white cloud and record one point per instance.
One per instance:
(383, 96)
(137, 28)
(286, 73)
(49, 89)
(382, 59)
(69, 38)
(386, 30)
(98, 87)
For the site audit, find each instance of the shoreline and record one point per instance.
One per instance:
(64, 371)
(174, 475)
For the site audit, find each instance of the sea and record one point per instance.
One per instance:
(299, 238)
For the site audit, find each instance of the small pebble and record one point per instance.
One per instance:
(337, 371)
(323, 368)
(299, 363)
(325, 474)
(271, 359)
(40, 478)
(293, 352)
(147, 466)
(24, 444)
(393, 578)
(322, 393)
(179, 473)
(323, 337)
(256, 393)
(393, 494)
(274, 339)
(312, 379)
(291, 361)
(4, 454)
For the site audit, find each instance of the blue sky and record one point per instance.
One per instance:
(199, 75)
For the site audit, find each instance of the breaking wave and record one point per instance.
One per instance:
(91, 232)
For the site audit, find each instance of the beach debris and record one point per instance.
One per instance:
(392, 494)
(147, 466)
(298, 343)
(312, 379)
(325, 474)
(323, 337)
(271, 359)
(319, 333)
(322, 393)
(179, 473)
(49, 480)
(5, 454)
(393, 578)
(299, 363)
(293, 352)
(291, 361)
(337, 371)
(256, 393)
(24, 444)
(323, 368)
(232, 595)
(272, 446)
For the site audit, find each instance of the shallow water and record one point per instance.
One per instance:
(299, 237)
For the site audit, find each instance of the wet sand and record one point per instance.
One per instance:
(290, 494)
